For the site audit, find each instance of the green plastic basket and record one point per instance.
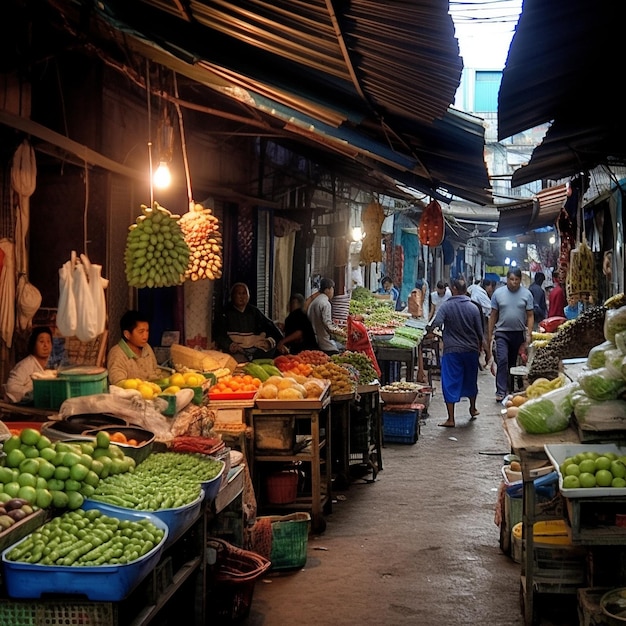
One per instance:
(56, 613)
(50, 393)
(290, 536)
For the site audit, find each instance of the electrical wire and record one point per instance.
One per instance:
(183, 144)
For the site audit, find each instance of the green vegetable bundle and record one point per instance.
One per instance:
(361, 362)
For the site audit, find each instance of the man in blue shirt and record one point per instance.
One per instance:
(511, 325)
(462, 335)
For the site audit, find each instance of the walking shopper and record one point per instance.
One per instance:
(481, 296)
(462, 329)
(510, 324)
(540, 310)
(438, 297)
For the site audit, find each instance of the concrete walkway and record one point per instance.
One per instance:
(419, 545)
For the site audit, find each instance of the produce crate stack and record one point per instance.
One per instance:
(401, 412)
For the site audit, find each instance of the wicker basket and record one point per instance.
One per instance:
(398, 397)
(232, 580)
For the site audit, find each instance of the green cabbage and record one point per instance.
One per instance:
(614, 322)
(550, 413)
(586, 409)
(600, 384)
(597, 355)
(620, 341)
(614, 362)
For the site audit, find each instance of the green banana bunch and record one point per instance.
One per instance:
(156, 254)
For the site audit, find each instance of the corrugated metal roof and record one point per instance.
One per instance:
(518, 219)
(563, 67)
(373, 77)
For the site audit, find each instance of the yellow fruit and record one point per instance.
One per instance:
(177, 379)
(129, 383)
(274, 380)
(193, 380)
(286, 383)
(146, 391)
(268, 391)
(289, 394)
(518, 400)
(171, 390)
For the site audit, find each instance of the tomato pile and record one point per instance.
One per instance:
(292, 364)
(313, 357)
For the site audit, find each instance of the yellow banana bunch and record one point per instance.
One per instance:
(541, 336)
(582, 272)
(543, 385)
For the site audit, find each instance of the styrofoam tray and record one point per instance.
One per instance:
(558, 452)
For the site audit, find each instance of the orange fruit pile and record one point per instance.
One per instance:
(235, 384)
(119, 437)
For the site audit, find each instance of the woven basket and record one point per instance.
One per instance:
(398, 397)
(233, 577)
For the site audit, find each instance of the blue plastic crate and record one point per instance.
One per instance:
(177, 520)
(103, 583)
(401, 426)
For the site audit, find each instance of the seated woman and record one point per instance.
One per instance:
(243, 330)
(19, 386)
(133, 357)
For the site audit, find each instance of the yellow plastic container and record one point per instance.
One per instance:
(551, 532)
(554, 532)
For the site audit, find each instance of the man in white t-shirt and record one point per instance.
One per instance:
(438, 297)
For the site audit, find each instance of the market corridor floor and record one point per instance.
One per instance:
(419, 545)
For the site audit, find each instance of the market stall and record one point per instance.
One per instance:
(572, 426)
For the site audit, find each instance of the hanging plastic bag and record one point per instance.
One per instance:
(66, 313)
(28, 302)
(96, 288)
(86, 325)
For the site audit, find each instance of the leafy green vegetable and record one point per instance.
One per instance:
(614, 322)
(588, 410)
(549, 413)
(600, 384)
(597, 355)
(620, 341)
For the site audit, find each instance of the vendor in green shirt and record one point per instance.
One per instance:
(132, 357)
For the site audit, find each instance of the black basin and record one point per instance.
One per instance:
(89, 421)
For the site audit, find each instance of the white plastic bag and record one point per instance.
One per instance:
(97, 285)
(86, 315)
(66, 314)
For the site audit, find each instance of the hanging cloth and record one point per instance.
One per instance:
(23, 180)
(7, 292)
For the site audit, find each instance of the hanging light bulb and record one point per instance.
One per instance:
(165, 139)
(162, 176)
(357, 233)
